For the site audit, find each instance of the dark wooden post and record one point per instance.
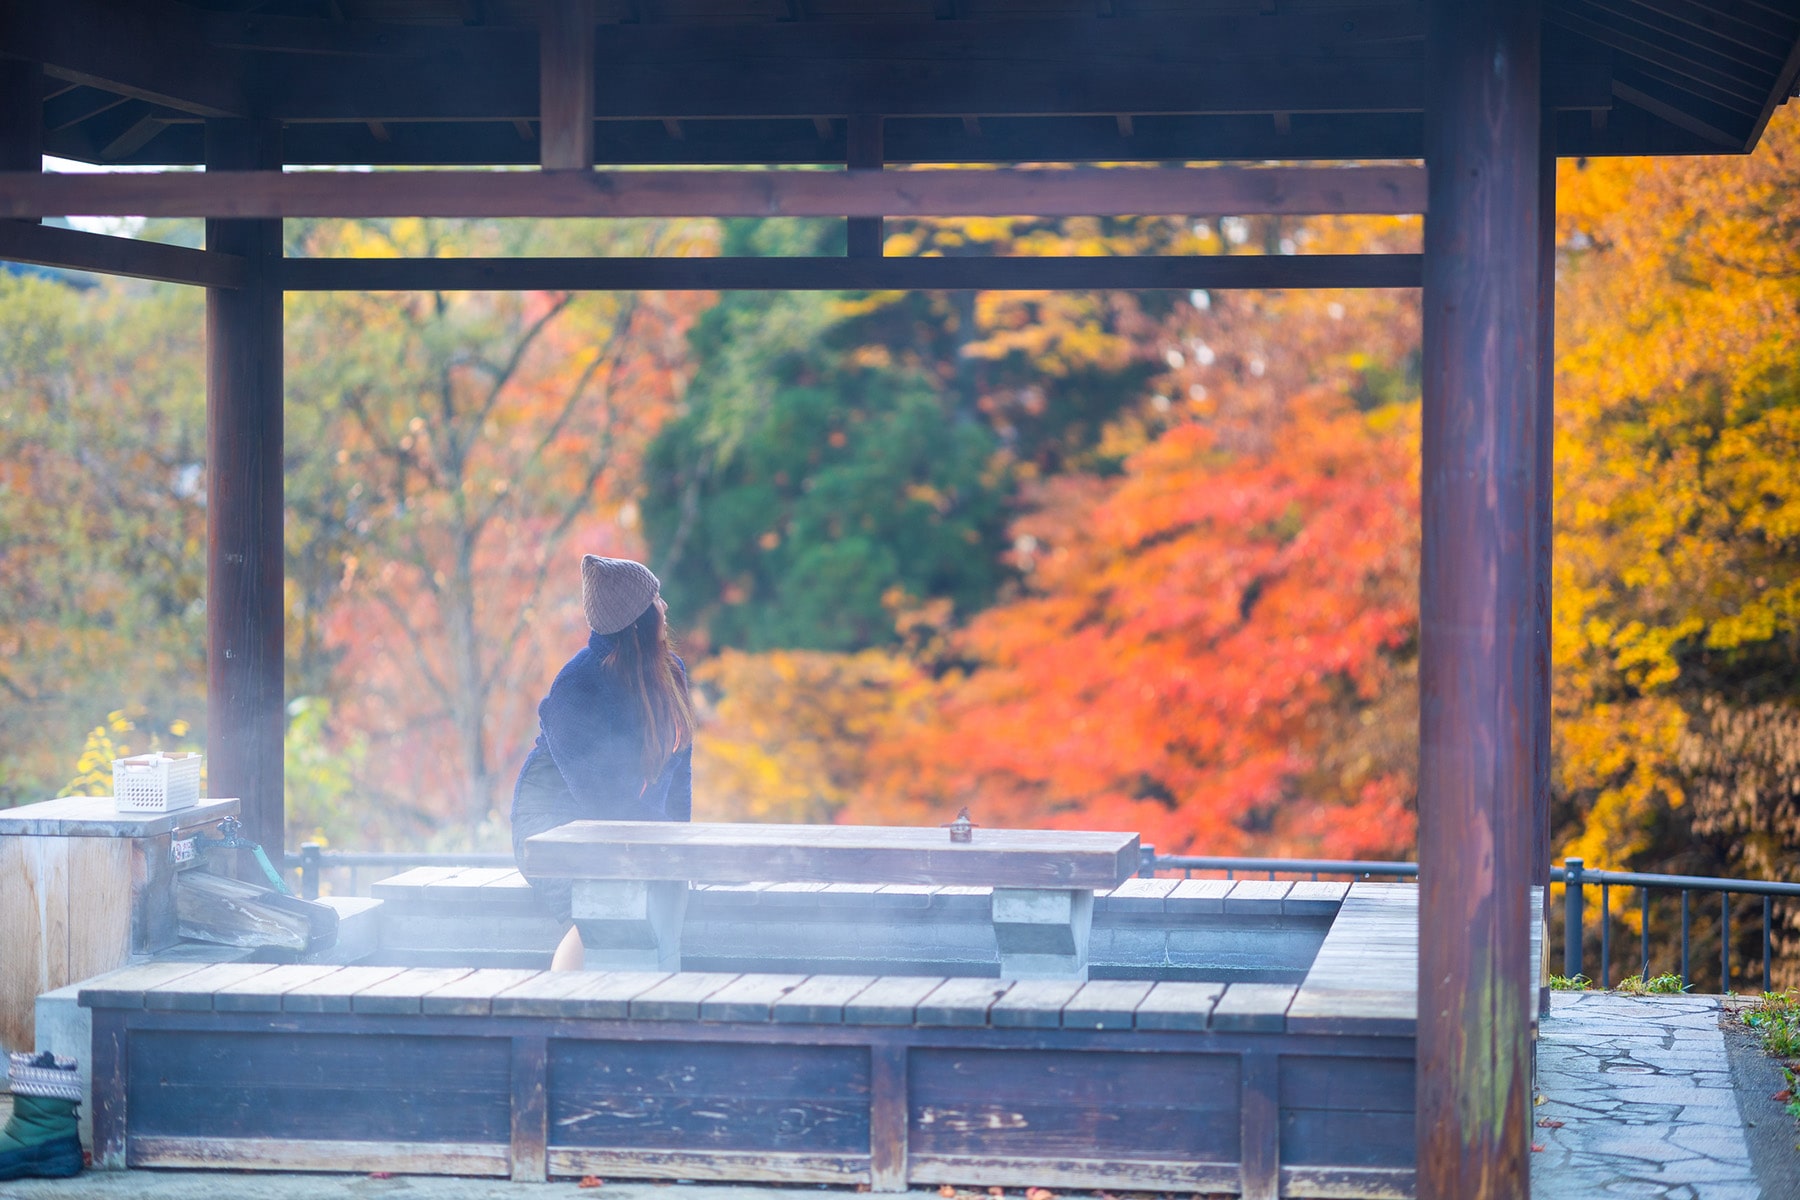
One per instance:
(244, 609)
(863, 152)
(1543, 514)
(21, 115)
(566, 85)
(1477, 600)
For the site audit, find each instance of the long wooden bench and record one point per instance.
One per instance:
(887, 1081)
(631, 879)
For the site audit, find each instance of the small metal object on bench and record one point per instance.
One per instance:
(630, 879)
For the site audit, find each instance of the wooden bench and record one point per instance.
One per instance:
(631, 879)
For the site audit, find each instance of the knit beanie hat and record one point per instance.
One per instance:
(615, 591)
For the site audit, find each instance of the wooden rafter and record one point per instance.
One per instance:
(1233, 271)
(475, 194)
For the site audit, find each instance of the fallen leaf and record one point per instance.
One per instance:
(996, 1191)
(1783, 1096)
(862, 1187)
(947, 1192)
(1549, 1123)
(1537, 1147)
(1037, 1193)
(381, 1174)
(591, 1181)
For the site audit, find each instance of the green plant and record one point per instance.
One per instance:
(1570, 983)
(1655, 985)
(1776, 1018)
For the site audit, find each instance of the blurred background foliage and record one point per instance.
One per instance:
(1103, 559)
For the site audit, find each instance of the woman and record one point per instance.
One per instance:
(615, 734)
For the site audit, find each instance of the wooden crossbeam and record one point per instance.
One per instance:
(477, 194)
(1235, 271)
(76, 250)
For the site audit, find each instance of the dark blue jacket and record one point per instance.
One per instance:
(591, 729)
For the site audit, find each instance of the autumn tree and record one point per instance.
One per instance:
(102, 520)
(469, 448)
(1677, 599)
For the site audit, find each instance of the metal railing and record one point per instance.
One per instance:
(1577, 880)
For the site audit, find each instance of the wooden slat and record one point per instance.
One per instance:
(545, 994)
(1138, 896)
(1261, 897)
(1308, 898)
(194, 993)
(820, 1000)
(678, 997)
(723, 853)
(607, 995)
(1260, 1129)
(890, 1113)
(1197, 896)
(1174, 1004)
(1086, 1173)
(406, 991)
(411, 883)
(300, 1154)
(1145, 273)
(1033, 1004)
(1105, 1004)
(77, 250)
(1253, 1007)
(1073, 192)
(750, 998)
(890, 1000)
(960, 1002)
(473, 994)
(125, 987)
(332, 992)
(262, 993)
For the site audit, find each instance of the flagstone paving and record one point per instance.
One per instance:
(1642, 1089)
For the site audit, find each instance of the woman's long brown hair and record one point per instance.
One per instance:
(644, 657)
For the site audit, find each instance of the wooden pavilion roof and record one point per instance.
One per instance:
(451, 82)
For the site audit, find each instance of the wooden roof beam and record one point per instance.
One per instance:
(76, 250)
(566, 85)
(1148, 273)
(477, 194)
(146, 49)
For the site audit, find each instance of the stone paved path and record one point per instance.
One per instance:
(1643, 1089)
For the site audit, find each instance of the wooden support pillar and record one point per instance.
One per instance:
(864, 153)
(1543, 517)
(244, 608)
(1478, 593)
(566, 85)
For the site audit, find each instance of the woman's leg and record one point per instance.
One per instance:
(569, 954)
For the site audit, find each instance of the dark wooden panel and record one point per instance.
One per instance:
(110, 1074)
(1147, 273)
(1336, 1138)
(320, 1086)
(1364, 1084)
(699, 1095)
(1081, 191)
(1260, 1139)
(1029, 1103)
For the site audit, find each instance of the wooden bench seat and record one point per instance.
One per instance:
(631, 879)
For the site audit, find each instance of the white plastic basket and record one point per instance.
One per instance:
(156, 782)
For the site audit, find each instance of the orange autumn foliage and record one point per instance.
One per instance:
(1215, 648)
